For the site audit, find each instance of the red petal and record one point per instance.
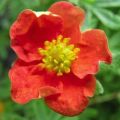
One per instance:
(72, 100)
(30, 82)
(93, 48)
(71, 14)
(29, 32)
(72, 17)
(22, 24)
(89, 86)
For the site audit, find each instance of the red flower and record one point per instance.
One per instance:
(55, 59)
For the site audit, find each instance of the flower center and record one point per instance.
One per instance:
(58, 55)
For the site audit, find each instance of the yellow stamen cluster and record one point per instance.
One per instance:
(58, 55)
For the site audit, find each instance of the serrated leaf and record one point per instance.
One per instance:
(99, 88)
(107, 17)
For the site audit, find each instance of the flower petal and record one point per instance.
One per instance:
(93, 48)
(89, 86)
(72, 17)
(22, 24)
(72, 100)
(30, 82)
(71, 14)
(29, 32)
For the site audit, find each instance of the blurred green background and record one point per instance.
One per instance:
(103, 14)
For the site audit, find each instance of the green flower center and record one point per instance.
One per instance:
(58, 55)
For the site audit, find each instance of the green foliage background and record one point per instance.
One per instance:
(103, 14)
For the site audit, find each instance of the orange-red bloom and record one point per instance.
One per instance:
(55, 59)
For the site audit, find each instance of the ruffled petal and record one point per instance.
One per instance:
(89, 86)
(93, 48)
(29, 81)
(72, 17)
(71, 14)
(73, 100)
(30, 30)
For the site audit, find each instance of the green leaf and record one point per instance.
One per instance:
(116, 63)
(30, 3)
(115, 42)
(99, 88)
(88, 114)
(108, 3)
(4, 43)
(111, 70)
(12, 116)
(5, 82)
(74, 1)
(70, 118)
(107, 17)
(90, 21)
(3, 4)
(40, 109)
(15, 8)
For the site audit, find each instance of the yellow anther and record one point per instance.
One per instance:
(66, 62)
(42, 51)
(55, 61)
(46, 43)
(60, 37)
(67, 70)
(54, 41)
(44, 60)
(39, 50)
(62, 65)
(76, 50)
(42, 65)
(59, 74)
(56, 68)
(71, 47)
(50, 58)
(58, 55)
(49, 67)
(66, 40)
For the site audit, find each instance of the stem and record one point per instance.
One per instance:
(40, 110)
(105, 98)
(36, 111)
